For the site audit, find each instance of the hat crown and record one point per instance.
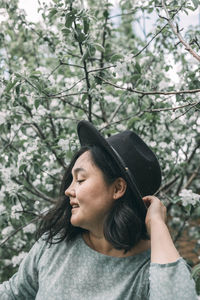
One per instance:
(139, 159)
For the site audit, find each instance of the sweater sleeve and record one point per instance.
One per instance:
(24, 284)
(171, 281)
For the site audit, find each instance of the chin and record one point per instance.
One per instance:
(75, 221)
(78, 223)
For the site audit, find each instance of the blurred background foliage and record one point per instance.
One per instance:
(99, 61)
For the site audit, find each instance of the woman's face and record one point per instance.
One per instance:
(90, 197)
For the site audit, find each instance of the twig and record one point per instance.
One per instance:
(53, 70)
(79, 107)
(150, 92)
(86, 76)
(18, 229)
(171, 108)
(192, 177)
(101, 69)
(101, 64)
(53, 95)
(35, 191)
(71, 65)
(115, 112)
(65, 95)
(178, 34)
(138, 53)
(123, 14)
(194, 104)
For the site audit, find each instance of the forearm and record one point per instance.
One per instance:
(162, 247)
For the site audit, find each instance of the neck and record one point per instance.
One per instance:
(98, 243)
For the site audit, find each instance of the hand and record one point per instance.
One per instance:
(156, 211)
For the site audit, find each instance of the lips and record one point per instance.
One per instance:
(74, 204)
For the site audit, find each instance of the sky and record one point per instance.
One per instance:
(193, 18)
(31, 6)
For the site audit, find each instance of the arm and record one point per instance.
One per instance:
(23, 284)
(169, 275)
(162, 247)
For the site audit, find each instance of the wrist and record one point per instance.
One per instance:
(156, 225)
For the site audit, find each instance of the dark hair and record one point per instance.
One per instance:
(124, 226)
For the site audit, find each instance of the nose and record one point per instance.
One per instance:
(70, 191)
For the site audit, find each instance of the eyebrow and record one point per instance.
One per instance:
(77, 170)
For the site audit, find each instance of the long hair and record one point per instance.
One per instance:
(124, 225)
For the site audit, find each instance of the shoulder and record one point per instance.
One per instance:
(47, 251)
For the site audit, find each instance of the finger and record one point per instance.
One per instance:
(150, 198)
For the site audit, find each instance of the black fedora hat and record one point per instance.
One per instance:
(136, 161)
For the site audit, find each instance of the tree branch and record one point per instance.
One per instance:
(101, 69)
(192, 177)
(17, 230)
(87, 79)
(149, 92)
(171, 108)
(177, 33)
(53, 95)
(150, 40)
(34, 190)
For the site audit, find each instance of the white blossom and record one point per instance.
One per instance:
(2, 195)
(163, 145)
(30, 228)
(6, 231)
(16, 211)
(41, 110)
(2, 117)
(188, 197)
(152, 144)
(18, 258)
(48, 187)
(2, 208)
(7, 262)
(64, 144)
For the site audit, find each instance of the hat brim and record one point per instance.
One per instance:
(89, 135)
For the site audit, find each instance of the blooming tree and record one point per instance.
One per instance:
(86, 60)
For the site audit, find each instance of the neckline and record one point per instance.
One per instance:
(99, 254)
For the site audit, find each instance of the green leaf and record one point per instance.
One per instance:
(85, 55)
(36, 73)
(105, 14)
(18, 89)
(99, 47)
(195, 3)
(69, 20)
(84, 97)
(91, 50)
(10, 85)
(37, 103)
(138, 68)
(52, 12)
(196, 271)
(66, 31)
(86, 25)
(80, 36)
(116, 57)
(22, 168)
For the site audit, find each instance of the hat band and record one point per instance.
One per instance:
(130, 175)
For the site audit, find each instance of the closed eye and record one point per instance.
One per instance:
(80, 180)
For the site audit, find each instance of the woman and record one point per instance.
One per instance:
(106, 238)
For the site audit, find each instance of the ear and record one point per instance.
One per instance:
(119, 188)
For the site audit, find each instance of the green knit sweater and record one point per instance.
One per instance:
(73, 271)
